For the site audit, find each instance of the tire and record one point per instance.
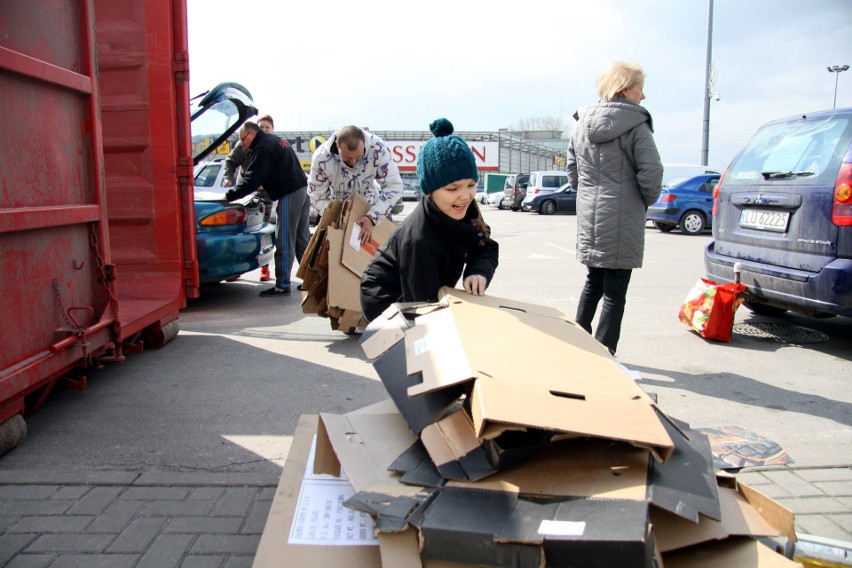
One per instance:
(548, 207)
(764, 309)
(664, 227)
(692, 222)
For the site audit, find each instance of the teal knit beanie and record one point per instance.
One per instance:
(444, 159)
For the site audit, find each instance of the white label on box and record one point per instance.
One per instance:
(422, 346)
(562, 528)
(355, 238)
(320, 517)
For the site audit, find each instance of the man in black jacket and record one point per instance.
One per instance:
(273, 164)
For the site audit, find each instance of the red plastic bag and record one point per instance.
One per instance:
(709, 308)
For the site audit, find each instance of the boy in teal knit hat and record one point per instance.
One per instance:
(442, 240)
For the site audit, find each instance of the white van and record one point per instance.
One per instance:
(545, 182)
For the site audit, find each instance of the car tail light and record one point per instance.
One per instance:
(841, 212)
(228, 216)
(716, 192)
(667, 198)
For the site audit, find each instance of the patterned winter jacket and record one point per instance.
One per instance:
(614, 165)
(375, 177)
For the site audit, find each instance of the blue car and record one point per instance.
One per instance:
(231, 238)
(685, 203)
(784, 217)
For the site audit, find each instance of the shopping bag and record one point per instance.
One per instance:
(709, 308)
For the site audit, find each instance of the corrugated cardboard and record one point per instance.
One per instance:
(732, 553)
(356, 255)
(274, 550)
(577, 390)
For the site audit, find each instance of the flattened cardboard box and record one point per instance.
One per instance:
(533, 368)
(275, 549)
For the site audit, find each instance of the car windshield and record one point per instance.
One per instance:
(787, 150)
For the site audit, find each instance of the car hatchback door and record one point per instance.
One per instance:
(774, 202)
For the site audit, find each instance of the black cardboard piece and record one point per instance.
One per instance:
(416, 467)
(390, 513)
(422, 410)
(499, 529)
(686, 484)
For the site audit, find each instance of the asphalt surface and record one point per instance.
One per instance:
(172, 457)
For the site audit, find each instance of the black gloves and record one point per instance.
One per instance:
(231, 195)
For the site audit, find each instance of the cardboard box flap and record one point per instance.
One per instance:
(499, 529)
(434, 349)
(417, 468)
(454, 448)
(390, 513)
(585, 467)
(686, 484)
(739, 518)
(732, 553)
(420, 411)
(355, 254)
(344, 290)
(364, 444)
(616, 416)
(384, 332)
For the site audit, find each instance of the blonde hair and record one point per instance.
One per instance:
(618, 76)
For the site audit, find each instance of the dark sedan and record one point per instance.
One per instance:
(563, 200)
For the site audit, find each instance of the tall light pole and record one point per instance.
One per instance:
(705, 132)
(837, 70)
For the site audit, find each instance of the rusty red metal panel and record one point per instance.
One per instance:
(142, 110)
(96, 229)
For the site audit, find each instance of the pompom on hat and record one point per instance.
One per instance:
(444, 159)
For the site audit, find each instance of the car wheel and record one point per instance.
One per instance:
(764, 309)
(664, 227)
(547, 208)
(692, 222)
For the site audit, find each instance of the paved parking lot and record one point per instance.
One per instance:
(171, 458)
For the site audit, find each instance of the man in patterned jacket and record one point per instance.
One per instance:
(354, 161)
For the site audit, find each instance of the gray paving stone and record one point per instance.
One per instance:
(206, 493)
(256, 520)
(6, 522)
(774, 491)
(116, 517)
(70, 543)
(755, 479)
(239, 562)
(31, 561)
(205, 561)
(71, 492)
(826, 474)
(821, 525)
(235, 502)
(52, 524)
(792, 483)
(204, 525)
(167, 551)
(156, 493)
(177, 508)
(844, 520)
(839, 488)
(95, 561)
(12, 544)
(26, 492)
(96, 501)
(266, 494)
(138, 535)
(24, 508)
(813, 505)
(61, 477)
(232, 544)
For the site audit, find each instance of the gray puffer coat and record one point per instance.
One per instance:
(614, 165)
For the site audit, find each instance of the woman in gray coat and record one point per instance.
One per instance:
(614, 165)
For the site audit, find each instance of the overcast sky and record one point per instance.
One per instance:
(487, 65)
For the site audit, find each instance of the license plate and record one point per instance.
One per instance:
(764, 220)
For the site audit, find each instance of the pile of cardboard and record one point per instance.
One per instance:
(512, 438)
(332, 265)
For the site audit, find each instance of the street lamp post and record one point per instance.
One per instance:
(705, 131)
(837, 70)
